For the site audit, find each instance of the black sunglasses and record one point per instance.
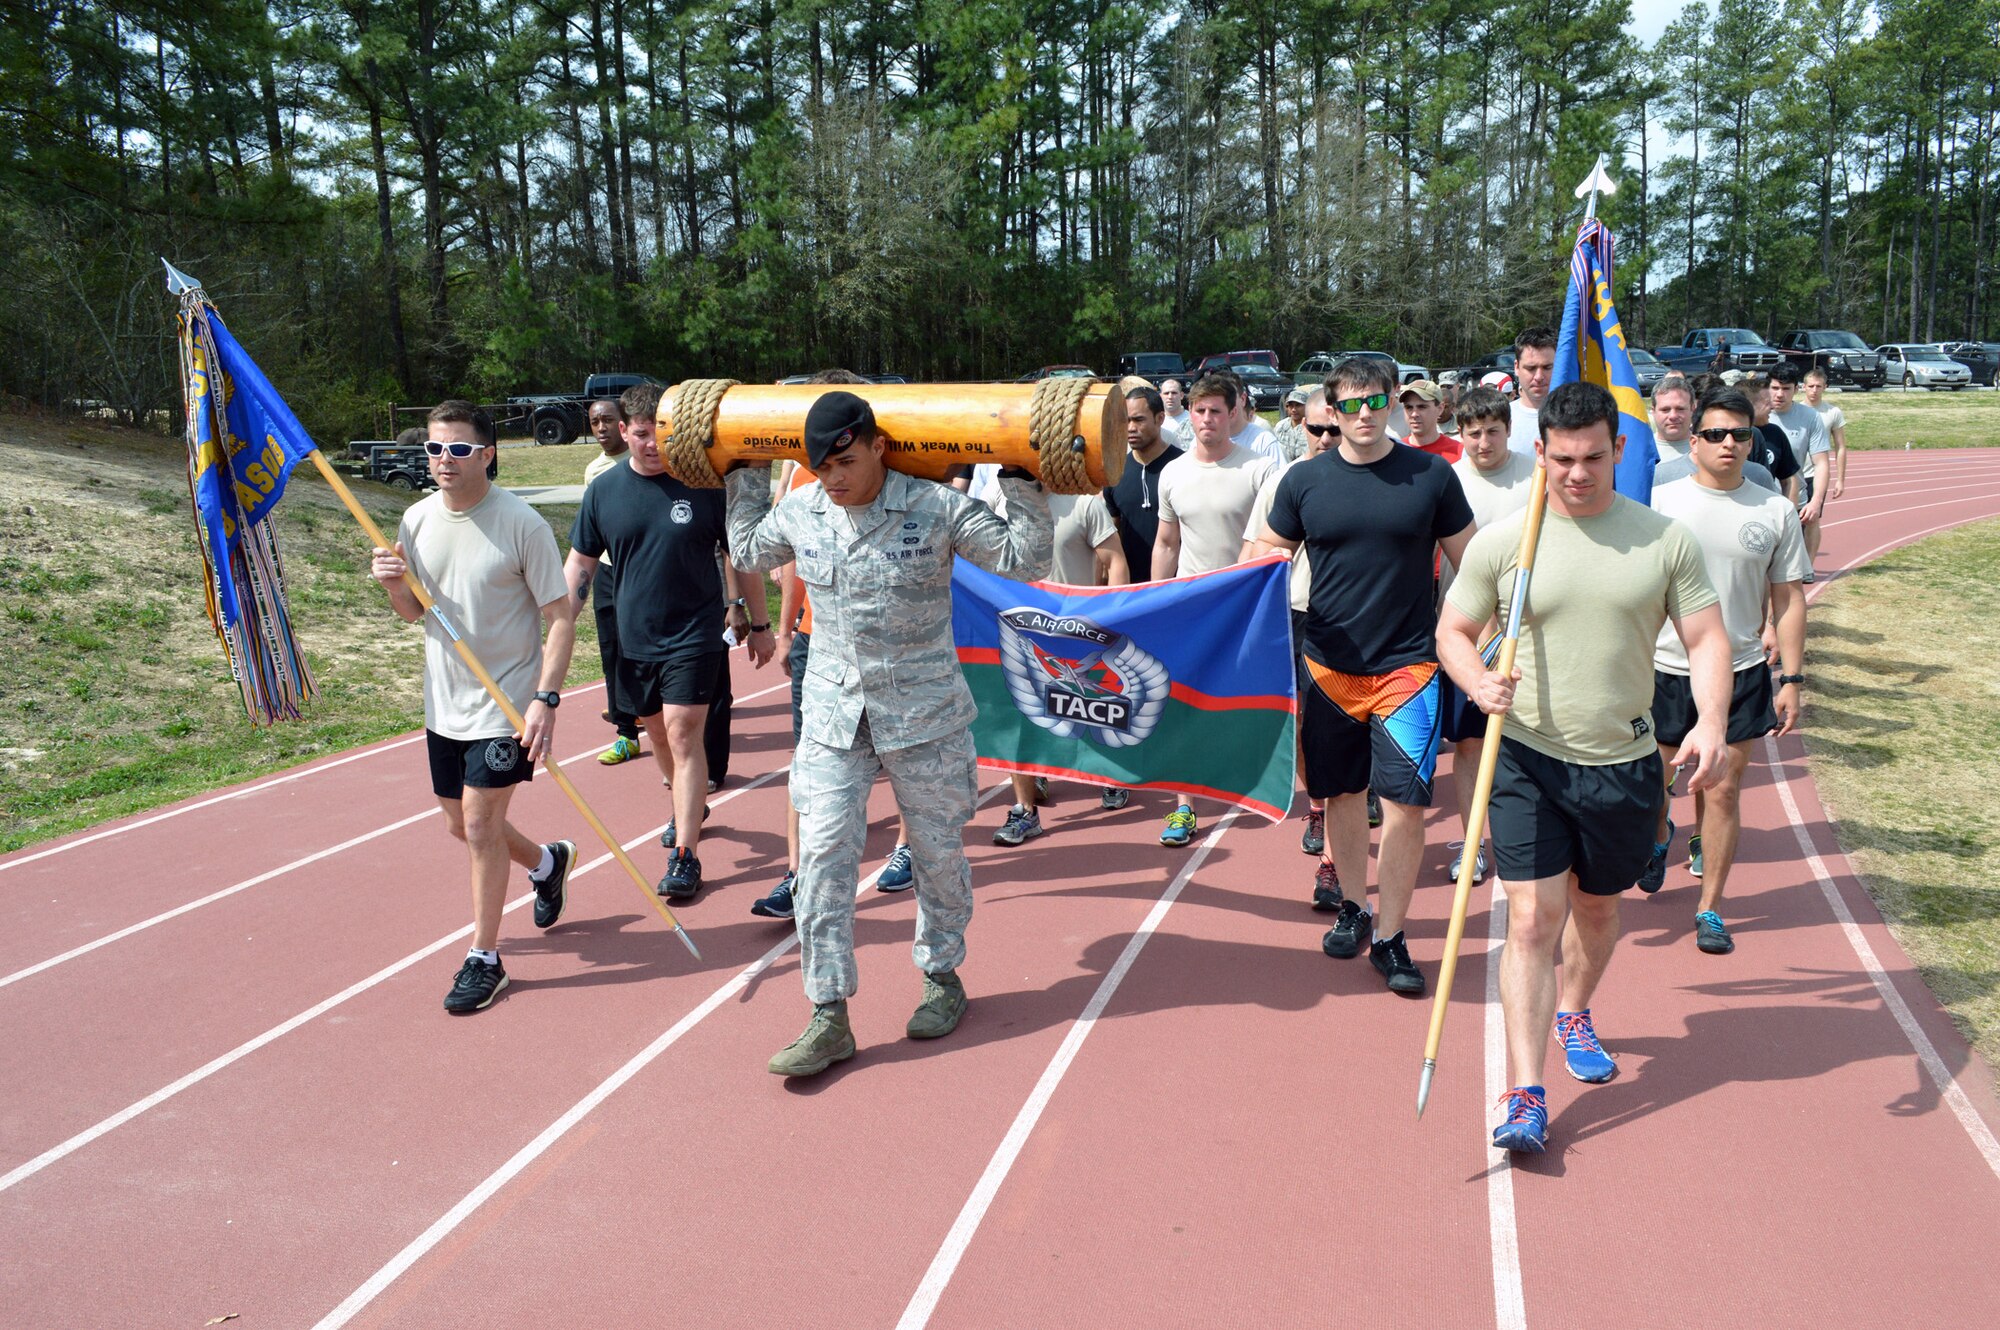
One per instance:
(1740, 433)
(432, 448)
(1351, 406)
(1321, 431)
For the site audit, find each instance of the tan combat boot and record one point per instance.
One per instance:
(942, 1005)
(827, 1040)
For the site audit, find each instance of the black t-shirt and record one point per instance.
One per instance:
(662, 537)
(1772, 449)
(1135, 506)
(1370, 533)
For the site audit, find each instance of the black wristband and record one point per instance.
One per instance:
(760, 627)
(1784, 679)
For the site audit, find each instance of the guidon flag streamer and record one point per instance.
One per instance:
(1185, 686)
(1591, 349)
(243, 442)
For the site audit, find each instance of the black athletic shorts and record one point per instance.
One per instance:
(801, 648)
(1299, 655)
(692, 679)
(1751, 715)
(1549, 816)
(1462, 717)
(484, 764)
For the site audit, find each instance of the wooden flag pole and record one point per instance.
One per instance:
(1482, 791)
(513, 713)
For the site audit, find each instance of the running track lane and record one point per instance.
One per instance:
(283, 1156)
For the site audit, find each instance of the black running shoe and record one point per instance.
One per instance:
(683, 879)
(1314, 839)
(1374, 810)
(1326, 889)
(1655, 875)
(1114, 798)
(1349, 933)
(475, 987)
(552, 892)
(1391, 956)
(777, 905)
(672, 835)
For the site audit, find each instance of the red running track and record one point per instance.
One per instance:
(230, 1088)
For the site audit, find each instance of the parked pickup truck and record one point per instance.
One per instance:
(558, 418)
(1697, 350)
(402, 466)
(1155, 367)
(1844, 357)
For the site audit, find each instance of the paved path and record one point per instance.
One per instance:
(230, 1089)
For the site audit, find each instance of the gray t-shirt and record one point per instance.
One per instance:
(1526, 429)
(1749, 540)
(1806, 430)
(1212, 501)
(490, 569)
(1681, 468)
(1083, 524)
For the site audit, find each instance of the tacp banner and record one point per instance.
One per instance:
(1185, 686)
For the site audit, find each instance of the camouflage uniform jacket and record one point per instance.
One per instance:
(880, 582)
(1291, 440)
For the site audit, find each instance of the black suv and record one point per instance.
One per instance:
(1844, 357)
(1155, 367)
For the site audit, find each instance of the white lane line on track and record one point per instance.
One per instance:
(398, 1264)
(1913, 508)
(1510, 1310)
(924, 1302)
(1948, 1089)
(210, 802)
(276, 1032)
(266, 876)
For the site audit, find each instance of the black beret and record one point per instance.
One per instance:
(836, 420)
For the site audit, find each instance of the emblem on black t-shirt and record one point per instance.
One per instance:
(682, 512)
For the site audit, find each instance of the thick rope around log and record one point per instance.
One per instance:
(1052, 412)
(696, 402)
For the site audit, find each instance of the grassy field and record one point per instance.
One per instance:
(1925, 420)
(531, 465)
(1903, 725)
(114, 694)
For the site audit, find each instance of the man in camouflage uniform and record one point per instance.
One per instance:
(883, 692)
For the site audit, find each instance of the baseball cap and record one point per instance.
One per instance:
(1424, 389)
(1499, 380)
(1296, 395)
(835, 421)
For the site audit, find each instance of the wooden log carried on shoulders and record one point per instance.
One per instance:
(1069, 432)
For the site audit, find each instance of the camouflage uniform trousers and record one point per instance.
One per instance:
(936, 784)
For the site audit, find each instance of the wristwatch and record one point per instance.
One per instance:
(550, 700)
(1784, 679)
(738, 604)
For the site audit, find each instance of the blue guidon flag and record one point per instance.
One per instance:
(1185, 686)
(1591, 349)
(243, 442)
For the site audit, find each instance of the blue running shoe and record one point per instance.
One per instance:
(1180, 827)
(1526, 1130)
(1655, 875)
(897, 874)
(1710, 934)
(1585, 1057)
(1022, 825)
(777, 905)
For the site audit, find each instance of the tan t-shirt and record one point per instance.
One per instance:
(1082, 524)
(1212, 502)
(490, 569)
(1300, 586)
(1494, 496)
(1602, 587)
(1750, 539)
(594, 468)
